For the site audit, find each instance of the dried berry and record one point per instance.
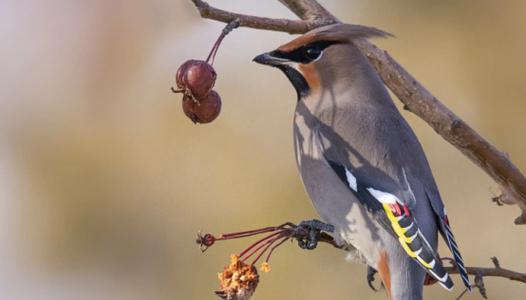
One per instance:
(205, 241)
(189, 108)
(181, 72)
(199, 78)
(196, 78)
(203, 110)
(265, 267)
(238, 281)
(208, 108)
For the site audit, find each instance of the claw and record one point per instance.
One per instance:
(370, 277)
(302, 244)
(312, 241)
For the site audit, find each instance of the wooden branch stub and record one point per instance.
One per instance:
(479, 283)
(495, 262)
(521, 220)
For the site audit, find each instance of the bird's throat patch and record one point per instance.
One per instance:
(298, 81)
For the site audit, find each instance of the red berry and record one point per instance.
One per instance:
(199, 77)
(209, 108)
(203, 110)
(189, 108)
(181, 72)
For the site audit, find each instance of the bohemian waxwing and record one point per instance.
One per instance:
(361, 163)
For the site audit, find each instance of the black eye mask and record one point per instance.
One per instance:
(306, 53)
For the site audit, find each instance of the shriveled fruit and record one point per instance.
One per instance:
(238, 281)
(203, 110)
(196, 79)
(199, 77)
(189, 108)
(181, 72)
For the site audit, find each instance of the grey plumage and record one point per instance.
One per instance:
(359, 159)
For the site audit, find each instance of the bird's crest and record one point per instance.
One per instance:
(338, 33)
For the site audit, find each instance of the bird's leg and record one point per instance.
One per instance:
(308, 233)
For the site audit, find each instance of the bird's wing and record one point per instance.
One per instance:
(391, 205)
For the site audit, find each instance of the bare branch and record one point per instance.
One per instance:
(415, 97)
(283, 25)
(491, 272)
(308, 10)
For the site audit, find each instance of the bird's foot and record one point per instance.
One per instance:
(309, 232)
(370, 277)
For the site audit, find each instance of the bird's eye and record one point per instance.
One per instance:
(313, 52)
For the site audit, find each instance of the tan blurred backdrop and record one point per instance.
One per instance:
(104, 182)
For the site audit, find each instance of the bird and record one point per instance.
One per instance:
(361, 163)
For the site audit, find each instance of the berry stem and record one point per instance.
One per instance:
(242, 234)
(228, 28)
(269, 243)
(262, 242)
(285, 238)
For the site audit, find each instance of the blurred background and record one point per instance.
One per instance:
(104, 182)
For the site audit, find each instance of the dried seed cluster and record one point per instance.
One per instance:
(238, 281)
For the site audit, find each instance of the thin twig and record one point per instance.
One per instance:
(415, 97)
(462, 294)
(491, 272)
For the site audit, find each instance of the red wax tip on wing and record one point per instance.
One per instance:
(396, 209)
(406, 210)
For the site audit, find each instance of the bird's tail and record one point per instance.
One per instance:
(448, 236)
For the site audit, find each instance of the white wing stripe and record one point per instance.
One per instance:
(383, 197)
(351, 180)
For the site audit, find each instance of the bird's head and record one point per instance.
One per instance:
(313, 58)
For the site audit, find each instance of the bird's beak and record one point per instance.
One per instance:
(270, 59)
